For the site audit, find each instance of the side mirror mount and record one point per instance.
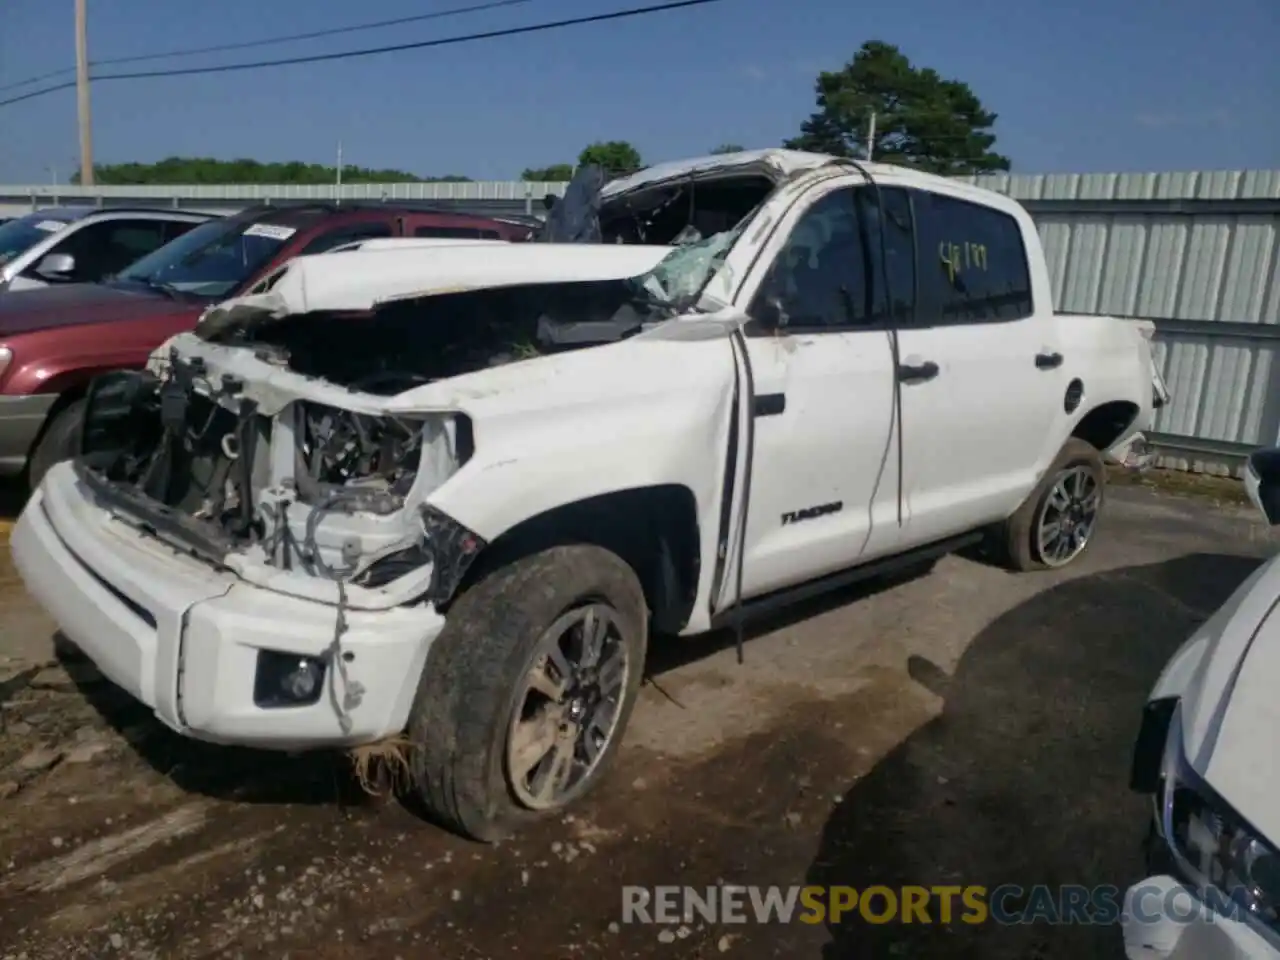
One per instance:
(1262, 482)
(768, 310)
(770, 313)
(56, 265)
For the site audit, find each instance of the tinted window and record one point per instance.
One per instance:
(20, 234)
(173, 229)
(466, 233)
(899, 248)
(336, 238)
(973, 266)
(828, 273)
(110, 246)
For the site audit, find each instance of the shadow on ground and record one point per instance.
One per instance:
(325, 777)
(227, 773)
(671, 653)
(1021, 779)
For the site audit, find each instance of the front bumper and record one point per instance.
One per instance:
(1164, 920)
(184, 638)
(20, 421)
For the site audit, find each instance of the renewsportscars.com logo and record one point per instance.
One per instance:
(1007, 904)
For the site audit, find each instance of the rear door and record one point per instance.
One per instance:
(981, 374)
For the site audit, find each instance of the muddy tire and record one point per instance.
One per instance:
(58, 442)
(1026, 540)
(470, 738)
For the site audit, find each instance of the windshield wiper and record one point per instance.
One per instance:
(168, 289)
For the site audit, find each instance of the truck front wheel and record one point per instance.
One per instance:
(1056, 524)
(527, 691)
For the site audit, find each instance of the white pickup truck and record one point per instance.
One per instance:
(451, 493)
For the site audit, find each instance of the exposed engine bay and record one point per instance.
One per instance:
(414, 342)
(200, 451)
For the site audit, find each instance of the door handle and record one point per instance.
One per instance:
(917, 373)
(1048, 361)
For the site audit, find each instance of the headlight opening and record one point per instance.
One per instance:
(1235, 871)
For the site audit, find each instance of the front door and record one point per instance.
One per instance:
(824, 477)
(983, 381)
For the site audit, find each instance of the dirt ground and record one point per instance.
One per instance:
(966, 726)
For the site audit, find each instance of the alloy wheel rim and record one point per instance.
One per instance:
(1068, 517)
(566, 713)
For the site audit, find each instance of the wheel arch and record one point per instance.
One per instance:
(654, 529)
(1106, 423)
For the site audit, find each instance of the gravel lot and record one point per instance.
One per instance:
(966, 726)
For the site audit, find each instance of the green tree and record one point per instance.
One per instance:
(553, 174)
(729, 148)
(185, 170)
(616, 156)
(922, 120)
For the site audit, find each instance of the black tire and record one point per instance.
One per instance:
(475, 674)
(1015, 542)
(60, 441)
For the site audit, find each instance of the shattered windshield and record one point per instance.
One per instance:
(679, 277)
(212, 260)
(20, 235)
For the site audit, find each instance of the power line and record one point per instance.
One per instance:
(268, 41)
(371, 51)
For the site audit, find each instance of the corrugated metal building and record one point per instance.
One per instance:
(1197, 253)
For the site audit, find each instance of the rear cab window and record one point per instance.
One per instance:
(972, 260)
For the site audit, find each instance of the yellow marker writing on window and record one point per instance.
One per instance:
(958, 257)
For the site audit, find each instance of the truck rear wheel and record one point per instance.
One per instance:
(527, 692)
(1058, 521)
(58, 442)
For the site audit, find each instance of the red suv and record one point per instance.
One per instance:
(54, 341)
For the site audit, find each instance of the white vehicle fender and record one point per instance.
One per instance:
(1112, 359)
(1180, 672)
(623, 417)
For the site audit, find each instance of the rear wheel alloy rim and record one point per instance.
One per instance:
(1068, 516)
(566, 713)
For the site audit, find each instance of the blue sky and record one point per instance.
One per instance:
(1083, 85)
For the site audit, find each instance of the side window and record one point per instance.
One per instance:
(101, 249)
(173, 229)
(336, 238)
(466, 233)
(973, 265)
(828, 273)
(899, 250)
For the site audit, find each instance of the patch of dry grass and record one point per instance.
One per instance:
(1220, 490)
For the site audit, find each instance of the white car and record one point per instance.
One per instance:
(1207, 755)
(83, 244)
(451, 492)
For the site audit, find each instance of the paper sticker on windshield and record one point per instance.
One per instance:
(50, 226)
(272, 231)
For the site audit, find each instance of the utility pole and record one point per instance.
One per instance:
(82, 96)
(871, 135)
(338, 184)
